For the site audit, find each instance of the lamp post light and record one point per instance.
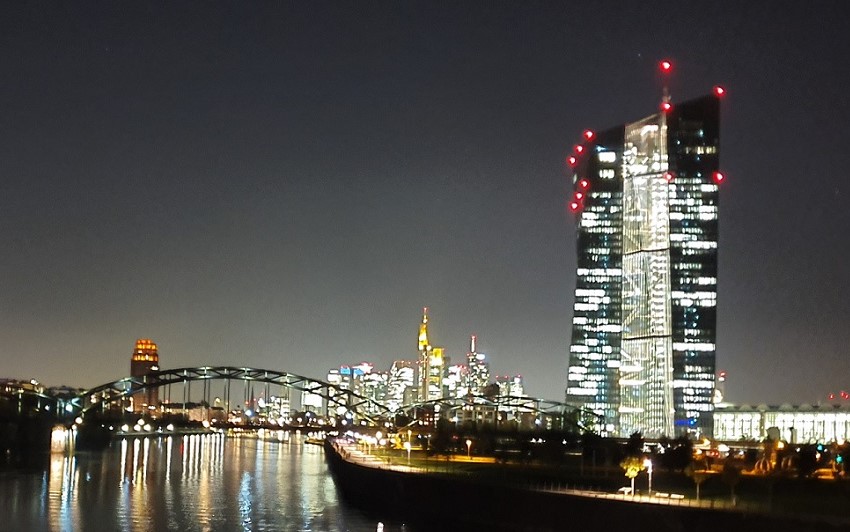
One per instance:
(469, 449)
(648, 465)
(407, 447)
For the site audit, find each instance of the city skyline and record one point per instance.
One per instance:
(285, 186)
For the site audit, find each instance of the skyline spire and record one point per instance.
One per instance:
(423, 331)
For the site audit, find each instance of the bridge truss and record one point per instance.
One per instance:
(338, 400)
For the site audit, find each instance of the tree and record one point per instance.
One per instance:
(698, 472)
(730, 476)
(442, 438)
(678, 455)
(632, 465)
(634, 447)
(807, 461)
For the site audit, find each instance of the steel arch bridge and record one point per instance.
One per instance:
(116, 392)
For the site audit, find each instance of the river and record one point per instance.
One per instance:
(186, 483)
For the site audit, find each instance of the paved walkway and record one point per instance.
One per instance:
(351, 452)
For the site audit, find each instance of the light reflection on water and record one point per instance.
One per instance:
(193, 482)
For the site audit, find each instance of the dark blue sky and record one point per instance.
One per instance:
(285, 185)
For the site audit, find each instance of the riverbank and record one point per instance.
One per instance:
(449, 501)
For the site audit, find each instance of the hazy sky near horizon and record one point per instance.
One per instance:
(285, 185)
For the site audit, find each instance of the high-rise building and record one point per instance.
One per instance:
(432, 365)
(401, 380)
(479, 370)
(642, 354)
(510, 385)
(145, 360)
(457, 381)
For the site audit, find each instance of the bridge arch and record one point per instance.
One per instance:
(334, 396)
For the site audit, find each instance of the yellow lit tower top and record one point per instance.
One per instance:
(423, 332)
(145, 351)
(145, 360)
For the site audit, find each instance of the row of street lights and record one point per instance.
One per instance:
(408, 446)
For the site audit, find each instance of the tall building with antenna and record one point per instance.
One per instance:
(642, 353)
(432, 364)
(479, 369)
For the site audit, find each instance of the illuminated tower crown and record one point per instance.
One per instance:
(423, 331)
(145, 351)
(145, 360)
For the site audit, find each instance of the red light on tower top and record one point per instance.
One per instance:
(584, 183)
(666, 66)
(669, 176)
(588, 134)
(666, 107)
(574, 206)
(571, 160)
(579, 148)
(579, 195)
(719, 177)
(719, 91)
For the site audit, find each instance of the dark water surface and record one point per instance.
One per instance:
(197, 482)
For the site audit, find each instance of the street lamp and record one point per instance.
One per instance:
(407, 446)
(468, 449)
(648, 465)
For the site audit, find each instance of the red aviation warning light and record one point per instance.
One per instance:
(669, 176)
(666, 66)
(719, 177)
(579, 148)
(579, 195)
(584, 183)
(588, 134)
(666, 107)
(719, 91)
(571, 160)
(574, 205)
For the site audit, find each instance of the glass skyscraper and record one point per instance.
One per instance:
(642, 353)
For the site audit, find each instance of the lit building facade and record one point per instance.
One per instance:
(457, 381)
(794, 423)
(510, 386)
(145, 360)
(401, 382)
(479, 370)
(432, 365)
(642, 352)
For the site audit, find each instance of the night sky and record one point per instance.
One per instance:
(285, 185)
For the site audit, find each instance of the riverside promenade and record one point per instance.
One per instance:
(433, 493)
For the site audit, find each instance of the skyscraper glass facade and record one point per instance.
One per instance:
(644, 321)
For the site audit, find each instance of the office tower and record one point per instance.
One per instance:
(479, 369)
(510, 385)
(642, 354)
(432, 364)
(145, 360)
(402, 378)
(457, 381)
